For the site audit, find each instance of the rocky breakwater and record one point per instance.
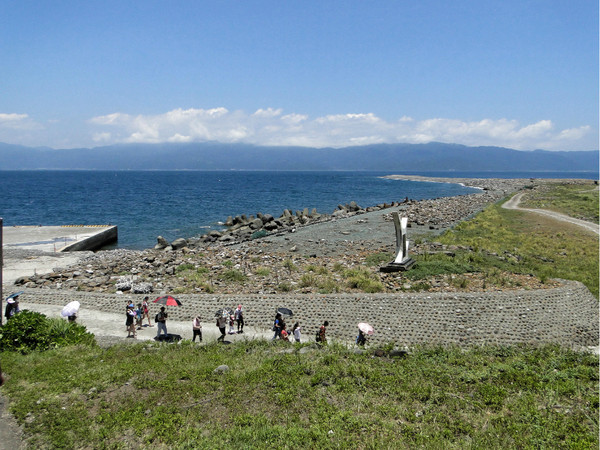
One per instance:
(446, 212)
(244, 228)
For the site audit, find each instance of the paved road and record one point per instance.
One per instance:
(513, 203)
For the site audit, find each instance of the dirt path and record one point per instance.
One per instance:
(513, 203)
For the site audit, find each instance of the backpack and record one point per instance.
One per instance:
(156, 317)
(318, 335)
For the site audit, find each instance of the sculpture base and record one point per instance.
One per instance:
(398, 267)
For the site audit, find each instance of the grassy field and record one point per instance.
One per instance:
(502, 241)
(275, 396)
(579, 200)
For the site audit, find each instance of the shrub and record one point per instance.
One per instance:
(184, 267)
(308, 280)
(363, 280)
(234, 275)
(328, 286)
(289, 265)
(262, 271)
(441, 265)
(338, 267)
(284, 287)
(377, 259)
(30, 331)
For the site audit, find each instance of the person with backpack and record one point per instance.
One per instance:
(161, 321)
(129, 321)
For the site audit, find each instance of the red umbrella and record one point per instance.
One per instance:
(167, 300)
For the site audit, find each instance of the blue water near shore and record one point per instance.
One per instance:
(146, 204)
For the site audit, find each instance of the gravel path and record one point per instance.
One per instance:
(513, 203)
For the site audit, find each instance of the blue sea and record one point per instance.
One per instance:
(173, 204)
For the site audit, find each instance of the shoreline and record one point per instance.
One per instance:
(510, 315)
(325, 238)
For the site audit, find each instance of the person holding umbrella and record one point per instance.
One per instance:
(277, 326)
(12, 306)
(364, 330)
(161, 322)
(161, 317)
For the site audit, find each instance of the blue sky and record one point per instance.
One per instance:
(520, 74)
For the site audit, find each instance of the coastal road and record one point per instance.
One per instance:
(513, 203)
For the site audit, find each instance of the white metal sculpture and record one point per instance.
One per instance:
(402, 261)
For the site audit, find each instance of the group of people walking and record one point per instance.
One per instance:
(231, 318)
(281, 332)
(134, 317)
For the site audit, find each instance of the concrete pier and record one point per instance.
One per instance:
(54, 239)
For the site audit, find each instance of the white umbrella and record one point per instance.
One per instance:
(365, 328)
(70, 309)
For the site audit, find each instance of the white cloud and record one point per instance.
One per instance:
(12, 117)
(269, 126)
(18, 122)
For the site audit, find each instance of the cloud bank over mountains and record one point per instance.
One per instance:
(274, 127)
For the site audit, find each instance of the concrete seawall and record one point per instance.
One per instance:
(567, 315)
(62, 238)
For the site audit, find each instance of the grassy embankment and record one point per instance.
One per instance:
(169, 396)
(508, 241)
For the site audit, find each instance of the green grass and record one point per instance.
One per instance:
(578, 200)
(526, 243)
(234, 275)
(169, 396)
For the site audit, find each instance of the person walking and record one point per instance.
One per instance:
(146, 310)
(321, 336)
(129, 321)
(161, 322)
(231, 322)
(361, 339)
(139, 316)
(239, 318)
(12, 307)
(221, 324)
(277, 326)
(197, 329)
(297, 331)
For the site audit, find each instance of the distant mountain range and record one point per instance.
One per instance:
(216, 156)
